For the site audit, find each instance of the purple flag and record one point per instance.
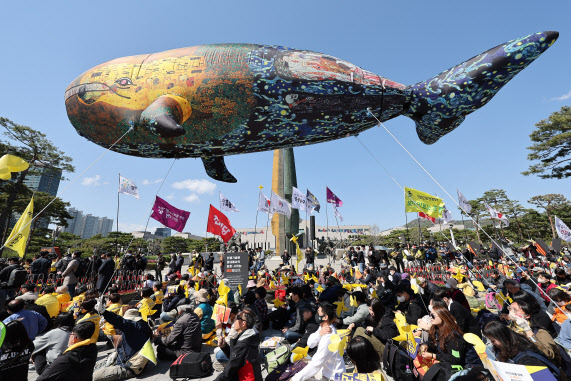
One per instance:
(332, 199)
(168, 215)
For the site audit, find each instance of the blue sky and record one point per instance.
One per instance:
(46, 45)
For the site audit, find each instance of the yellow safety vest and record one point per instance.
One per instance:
(159, 296)
(108, 328)
(95, 318)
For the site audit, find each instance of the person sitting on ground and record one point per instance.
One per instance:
(243, 350)
(86, 313)
(564, 337)
(538, 319)
(293, 333)
(543, 340)
(385, 291)
(146, 304)
(204, 312)
(15, 351)
(410, 304)
(78, 360)
(185, 336)
(33, 321)
(309, 325)
(330, 363)
(561, 298)
(456, 294)
(50, 301)
(134, 334)
(447, 345)
(464, 318)
(544, 285)
(513, 286)
(363, 355)
(171, 301)
(113, 305)
(380, 322)
(158, 298)
(330, 293)
(561, 277)
(28, 292)
(361, 313)
(51, 344)
(62, 296)
(426, 288)
(262, 305)
(511, 347)
(226, 330)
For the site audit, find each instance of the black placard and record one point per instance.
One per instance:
(236, 270)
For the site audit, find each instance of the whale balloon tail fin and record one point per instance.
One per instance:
(440, 104)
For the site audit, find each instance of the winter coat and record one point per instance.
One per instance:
(76, 363)
(185, 336)
(69, 273)
(386, 329)
(412, 310)
(54, 342)
(105, 272)
(243, 352)
(359, 316)
(133, 336)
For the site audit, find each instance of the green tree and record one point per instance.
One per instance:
(551, 203)
(36, 149)
(174, 244)
(551, 146)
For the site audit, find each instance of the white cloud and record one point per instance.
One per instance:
(195, 187)
(151, 182)
(91, 181)
(563, 97)
(191, 197)
(170, 196)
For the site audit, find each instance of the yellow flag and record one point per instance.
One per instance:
(11, 163)
(18, 240)
(223, 299)
(428, 204)
(148, 352)
(299, 353)
(298, 252)
(223, 289)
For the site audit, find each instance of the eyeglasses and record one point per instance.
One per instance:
(432, 316)
(239, 318)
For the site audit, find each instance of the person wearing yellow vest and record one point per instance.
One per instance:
(158, 297)
(146, 302)
(78, 360)
(77, 299)
(50, 301)
(63, 296)
(114, 305)
(87, 313)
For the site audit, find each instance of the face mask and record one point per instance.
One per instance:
(514, 316)
(321, 317)
(400, 299)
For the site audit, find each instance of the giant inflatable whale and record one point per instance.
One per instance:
(210, 101)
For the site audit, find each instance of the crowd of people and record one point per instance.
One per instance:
(379, 317)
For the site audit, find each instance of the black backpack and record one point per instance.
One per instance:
(130, 263)
(395, 362)
(17, 278)
(192, 365)
(81, 269)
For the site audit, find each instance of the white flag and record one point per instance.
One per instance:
(463, 202)
(298, 199)
(279, 205)
(226, 204)
(562, 230)
(126, 186)
(337, 214)
(263, 203)
(446, 216)
(498, 216)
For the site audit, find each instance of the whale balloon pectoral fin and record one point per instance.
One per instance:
(216, 168)
(430, 132)
(165, 115)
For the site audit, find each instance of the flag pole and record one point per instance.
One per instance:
(465, 232)
(406, 224)
(256, 223)
(326, 215)
(419, 232)
(116, 236)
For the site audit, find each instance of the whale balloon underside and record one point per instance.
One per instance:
(210, 101)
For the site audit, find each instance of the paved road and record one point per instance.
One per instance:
(160, 372)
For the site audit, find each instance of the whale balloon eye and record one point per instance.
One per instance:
(124, 81)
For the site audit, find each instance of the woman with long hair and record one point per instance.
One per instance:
(510, 346)
(380, 322)
(538, 319)
(363, 355)
(447, 345)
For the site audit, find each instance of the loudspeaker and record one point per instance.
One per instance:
(312, 227)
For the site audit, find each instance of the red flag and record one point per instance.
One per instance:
(218, 224)
(420, 214)
(333, 199)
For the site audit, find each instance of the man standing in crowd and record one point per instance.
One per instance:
(309, 257)
(179, 263)
(7, 286)
(105, 272)
(41, 266)
(159, 267)
(69, 278)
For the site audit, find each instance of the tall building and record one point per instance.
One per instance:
(163, 232)
(86, 226)
(43, 179)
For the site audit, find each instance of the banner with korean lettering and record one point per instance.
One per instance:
(168, 215)
(416, 201)
(218, 224)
